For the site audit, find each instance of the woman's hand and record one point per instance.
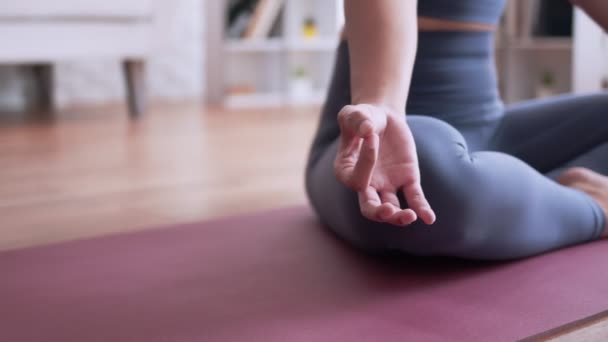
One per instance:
(377, 158)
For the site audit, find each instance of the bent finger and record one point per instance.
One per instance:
(368, 154)
(417, 201)
(369, 202)
(404, 217)
(390, 197)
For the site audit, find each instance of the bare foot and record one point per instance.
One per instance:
(590, 182)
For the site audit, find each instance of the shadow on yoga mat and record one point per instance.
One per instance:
(277, 276)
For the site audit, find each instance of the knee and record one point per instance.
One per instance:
(446, 167)
(441, 149)
(454, 185)
(431, 134)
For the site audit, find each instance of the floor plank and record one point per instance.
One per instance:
(91, 171)
(589, 329)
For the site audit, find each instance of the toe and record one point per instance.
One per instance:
(575, 175)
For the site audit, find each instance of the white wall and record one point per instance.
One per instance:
(175, 71)
(590, 65)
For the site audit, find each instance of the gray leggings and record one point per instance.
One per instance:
(490, 180)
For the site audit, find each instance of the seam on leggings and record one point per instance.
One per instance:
(600, 218)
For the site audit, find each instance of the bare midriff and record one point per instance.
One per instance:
(434, 24)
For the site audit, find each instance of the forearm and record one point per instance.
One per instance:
(596, 9)
(382, 39)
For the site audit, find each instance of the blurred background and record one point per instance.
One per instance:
(124, 115)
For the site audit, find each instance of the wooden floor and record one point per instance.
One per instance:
(92, 172)
(588, 329)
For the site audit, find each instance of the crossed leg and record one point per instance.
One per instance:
(558, 133)
(489, 205)
(565, 137)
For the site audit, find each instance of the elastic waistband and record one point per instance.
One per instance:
(454, 77)
(455, 44)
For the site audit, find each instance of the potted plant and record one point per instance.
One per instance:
(546, 86)
(300, 85)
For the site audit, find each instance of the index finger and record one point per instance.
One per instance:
(362, 173)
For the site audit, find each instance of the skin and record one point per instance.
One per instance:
(592, 183)
(377, 154)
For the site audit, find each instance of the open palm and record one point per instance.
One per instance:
(377, 158)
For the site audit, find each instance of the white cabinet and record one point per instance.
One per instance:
(43, 32)
(76, 8)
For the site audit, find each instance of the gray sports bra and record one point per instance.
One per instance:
(474, 11)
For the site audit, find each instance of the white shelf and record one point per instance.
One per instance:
(272, 99)
(277, 44)
(266, 66)
(257, 100)
(542, 43)
(316, 98)
(258, 45)
(314, 44)
(525, 58)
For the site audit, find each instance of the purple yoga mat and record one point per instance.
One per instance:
(277, 276)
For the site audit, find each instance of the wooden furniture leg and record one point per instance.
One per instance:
(134, 73)
(42, 98)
